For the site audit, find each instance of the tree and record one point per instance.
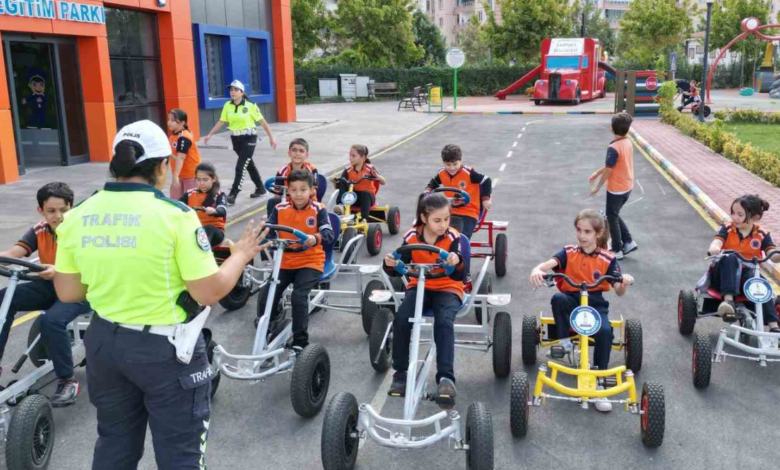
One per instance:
(525, 23)
(727, 18)
(378, 31)
(596, 26)
(428, 37)
(654, 28)
(474, 43)
(310, 22)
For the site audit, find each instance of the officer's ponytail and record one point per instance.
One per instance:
(123, 164)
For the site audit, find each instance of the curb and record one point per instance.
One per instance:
(260, 205)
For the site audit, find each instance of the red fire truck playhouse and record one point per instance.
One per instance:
(570, 71)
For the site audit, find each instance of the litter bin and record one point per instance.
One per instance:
(362, 87)
(329, 88)
(348, 86)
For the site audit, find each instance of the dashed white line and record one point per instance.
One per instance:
(508, 155)
(661, 188)
(495, 182)
(503, 167)
(514, 144)
(634, 202)
(522, 130)
(640, 186)
(519, 135)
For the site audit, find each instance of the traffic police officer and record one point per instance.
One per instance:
(135, 254)
(241, 116)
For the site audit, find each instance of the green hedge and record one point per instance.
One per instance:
(472, 81)
(759, 162)
(748, 116)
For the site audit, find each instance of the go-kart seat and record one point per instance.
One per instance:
(715, 294)
(356, 208)
(322, 186)
(465, 251)
(330, 266)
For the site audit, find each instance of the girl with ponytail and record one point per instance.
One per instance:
(186, 155)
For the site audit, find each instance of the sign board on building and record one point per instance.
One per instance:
(51, 10)
(455, 58)
(567, 47)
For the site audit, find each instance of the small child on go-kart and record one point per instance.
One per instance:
(745, 236)
(299, 160)
(585, 262)
(54, 200)
(301, 269)
(690, 93)
(359, 166)
(211, 203)
(444, 295)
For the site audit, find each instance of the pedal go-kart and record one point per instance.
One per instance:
(271, 353)
(496, 246)
(586, 321)
(747, 336)
(695, 108)
(348, 425)
(352, 222)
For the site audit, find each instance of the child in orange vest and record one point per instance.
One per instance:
(359, 166)
(209, 202)
(185, 155)
(585, 262)
(299, 160)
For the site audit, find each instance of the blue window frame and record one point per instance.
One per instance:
(245, 55)
(563, 62)
(585, 62)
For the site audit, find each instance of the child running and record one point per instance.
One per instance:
(185, 154)
(746, 237)
(299, 156)
(585, 262)
(444, 295)
(209, 202)
(359, 166)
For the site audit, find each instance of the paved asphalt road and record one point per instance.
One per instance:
(539, 190)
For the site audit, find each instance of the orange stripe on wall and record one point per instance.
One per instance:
(177, 56)
(98, 93)
(284, 69)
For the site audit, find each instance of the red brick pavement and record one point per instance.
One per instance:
(719, 178)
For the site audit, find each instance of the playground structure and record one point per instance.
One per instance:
(752, 26)
(635, 92)
(569, 70)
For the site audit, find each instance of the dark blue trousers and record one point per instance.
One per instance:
(725, 279)
(135, 380)
(562, 306)
(466, 226)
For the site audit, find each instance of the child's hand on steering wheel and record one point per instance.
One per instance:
(537, 278)
(452, 260)
(627, 280)
(487, 204)
(390, 260)
(210, 210)
(311, 241)
(48, 274)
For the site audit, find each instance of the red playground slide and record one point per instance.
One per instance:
(501, 95)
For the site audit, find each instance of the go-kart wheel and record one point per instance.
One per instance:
(479, 437)
(236, 298)
(348, 235)
(30, 439)
(530, 340)
(707, 111)
(686, 312)
(519, 407)
(380, 357)
(577, 96)
(695, 111)
(393, 220)
(537, 102)
(339, 445)
(502, 253)
(38, 355)
(653, 414)
(374, 239)
(310, 380)
(502, 344)
(485, 288)
(702, 361)
(216, 375)
(633, 345)
(262, 297)
(368, 309)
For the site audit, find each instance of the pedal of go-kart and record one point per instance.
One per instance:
(557, 352)
(445, 402)
(278, 327)
(610, 381)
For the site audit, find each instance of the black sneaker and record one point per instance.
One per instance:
(398, 388)
(231, 199)
(67, 392)
(445, 396)
(260, 191)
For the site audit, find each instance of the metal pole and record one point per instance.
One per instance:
(455, 84)
(703, 94)
(582, 28)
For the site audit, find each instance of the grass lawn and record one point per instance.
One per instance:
(764, 136)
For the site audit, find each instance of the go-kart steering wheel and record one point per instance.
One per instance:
(413, 269)
(302, 237)
(275, 184)
(29, 273)
(460, 199)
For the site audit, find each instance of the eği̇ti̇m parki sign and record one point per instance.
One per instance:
(51, 10)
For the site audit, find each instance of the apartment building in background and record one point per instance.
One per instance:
(452, 16)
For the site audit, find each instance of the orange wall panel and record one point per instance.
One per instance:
(9, 166)
(5, 100)
(178, 64)
(284, 70)
(25, 25)
(95, 69)
(101, 129)
(178, 24)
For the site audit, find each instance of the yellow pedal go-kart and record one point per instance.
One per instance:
(352, 223)
(585, 321)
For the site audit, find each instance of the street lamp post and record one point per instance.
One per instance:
(703, 94)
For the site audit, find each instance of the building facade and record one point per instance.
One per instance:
(452, 16)
(76, 71)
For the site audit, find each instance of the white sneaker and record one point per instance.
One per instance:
(619, 255)
(629, 247)
(601, 403)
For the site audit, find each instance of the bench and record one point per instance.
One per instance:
(412, 100)
(300, 92)
(376, 90)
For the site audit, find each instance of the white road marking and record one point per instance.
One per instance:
(640, 186)
(495, 182)
(508, 155)
(661, 188)
(529, 123)
(634, 202)
(503, 167)
(522, 130)
(514, 144)
(519, 135)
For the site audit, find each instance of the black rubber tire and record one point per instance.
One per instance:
(578, 96)
(519, 409)
(707, 111)
(653, 418)
(686, 312)
(38, 354)
(484, 289)
(310, 380)
(374, 239)
(502, 344)
(502, 253)
(398, 284)
(702, 361)
(31, 435)
(367, 308)
(529, 340)
(338, 449)
(479, 437)
(394, 220)
(633, 345)
(236, 298)
(348, 235)
(537, 102)
(217, 376)
(383, 318)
